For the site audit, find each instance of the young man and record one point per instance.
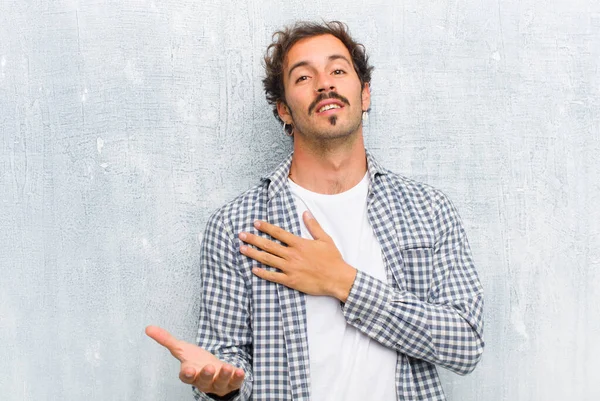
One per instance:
(333, 279)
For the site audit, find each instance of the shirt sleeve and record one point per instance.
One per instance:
(446, 328)
(224, 327)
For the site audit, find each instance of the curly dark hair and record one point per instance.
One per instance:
(283, 41)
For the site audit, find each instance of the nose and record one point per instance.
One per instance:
(326, 89)
(324, 84)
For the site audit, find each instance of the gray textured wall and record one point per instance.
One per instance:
(123, 124)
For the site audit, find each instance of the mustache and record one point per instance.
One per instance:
(324, 96)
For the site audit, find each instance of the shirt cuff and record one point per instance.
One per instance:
(367, 301)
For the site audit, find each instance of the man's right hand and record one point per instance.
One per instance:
(199, 367)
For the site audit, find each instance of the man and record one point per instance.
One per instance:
(333, 279)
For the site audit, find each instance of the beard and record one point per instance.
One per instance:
(333, 128)
(337, 126)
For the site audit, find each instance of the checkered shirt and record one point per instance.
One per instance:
(430, 309)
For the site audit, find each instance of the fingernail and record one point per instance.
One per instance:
(309, 215)
(256, 223)
(243, 236)
(243, 248)
(189, 375)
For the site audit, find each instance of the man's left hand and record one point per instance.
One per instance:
(314, 267)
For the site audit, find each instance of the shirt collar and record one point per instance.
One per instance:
(278, 178)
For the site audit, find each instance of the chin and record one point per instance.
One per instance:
(341, 130)
(336, 134)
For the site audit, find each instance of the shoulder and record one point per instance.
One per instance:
(426, 209)
(414, 194)
(253, 203)
(242, 210)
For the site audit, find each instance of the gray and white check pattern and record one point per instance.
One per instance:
(430, 310)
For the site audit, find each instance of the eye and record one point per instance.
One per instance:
(338, 72)
(302, 78)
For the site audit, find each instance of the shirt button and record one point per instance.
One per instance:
(357, 321)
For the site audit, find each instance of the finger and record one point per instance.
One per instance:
(263, 257)
(221, 381)
(264, 244)
(237, 379)
(204, 379)
(164, 338)
(276, 232)
(314, 227)
(274, 277)
(187, 374)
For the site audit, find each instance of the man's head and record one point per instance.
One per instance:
(312, 65)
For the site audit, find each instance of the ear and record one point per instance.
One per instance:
(284, 112)
(366, 97)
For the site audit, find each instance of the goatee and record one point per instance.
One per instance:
(333, 120)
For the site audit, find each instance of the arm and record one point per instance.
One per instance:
(446, 329)
(220, 366)
(224, 325)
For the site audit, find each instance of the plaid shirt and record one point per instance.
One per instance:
(429, 310)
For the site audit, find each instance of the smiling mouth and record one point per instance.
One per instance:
(338, 102)
(329, 107)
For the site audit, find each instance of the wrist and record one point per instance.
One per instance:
(343, 282)
(225, 397)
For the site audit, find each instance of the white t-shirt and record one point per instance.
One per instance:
(344, 363)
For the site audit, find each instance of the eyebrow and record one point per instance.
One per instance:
(305, 63)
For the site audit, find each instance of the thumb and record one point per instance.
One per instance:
(164, 338)
(314, 227)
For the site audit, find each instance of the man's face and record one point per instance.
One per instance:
(324, 97)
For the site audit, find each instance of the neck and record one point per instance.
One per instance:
(328, 168)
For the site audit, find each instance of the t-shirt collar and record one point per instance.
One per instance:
(278, 177)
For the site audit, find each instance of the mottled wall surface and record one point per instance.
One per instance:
(123, 124)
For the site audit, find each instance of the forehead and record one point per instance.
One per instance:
(314, 50)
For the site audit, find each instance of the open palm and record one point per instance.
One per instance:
(198, 366)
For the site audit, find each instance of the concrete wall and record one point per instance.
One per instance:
(124, 123)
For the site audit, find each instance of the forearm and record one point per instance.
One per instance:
(449, 335)
(224, 327)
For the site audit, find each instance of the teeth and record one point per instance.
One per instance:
(329, 107)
